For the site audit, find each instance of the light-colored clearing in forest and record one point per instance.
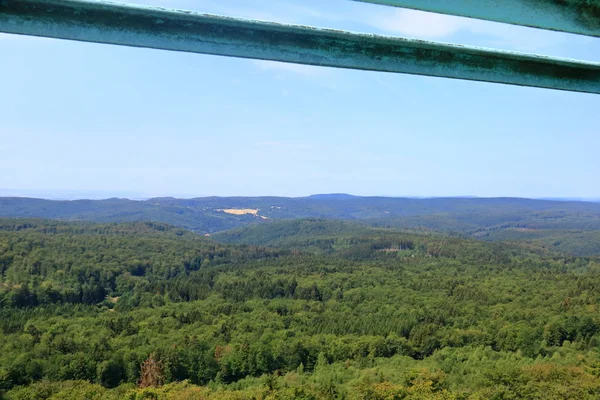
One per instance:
(239, 211)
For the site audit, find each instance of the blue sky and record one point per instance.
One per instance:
(98, 120)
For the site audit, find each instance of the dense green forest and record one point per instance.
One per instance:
(577, 242)
(330, 310)
(570, 226)
(303, 232)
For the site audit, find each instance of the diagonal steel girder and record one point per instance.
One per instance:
(151, 27)
(574, 16)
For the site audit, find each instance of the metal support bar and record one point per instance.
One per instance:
(104, 22)
(574, 16)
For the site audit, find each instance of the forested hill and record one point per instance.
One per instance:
(483, 218)
(47, 262)
(146, 310)
(302, 232)
(322, 233)
(204, 213)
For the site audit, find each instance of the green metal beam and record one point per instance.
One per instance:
(140, 26)
(574, 16)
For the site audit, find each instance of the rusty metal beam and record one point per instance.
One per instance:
(574, 16)
(150, 27)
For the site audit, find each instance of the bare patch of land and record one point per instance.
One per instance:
(239, 211)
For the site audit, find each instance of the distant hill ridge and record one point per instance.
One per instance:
(205, 214)
(484, 218)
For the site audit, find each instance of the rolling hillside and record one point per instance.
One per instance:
(150, 311)
(208, 215)
(552, 223)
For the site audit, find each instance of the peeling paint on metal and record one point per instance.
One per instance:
(159, 28)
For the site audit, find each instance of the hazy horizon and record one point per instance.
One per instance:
(67, 195)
